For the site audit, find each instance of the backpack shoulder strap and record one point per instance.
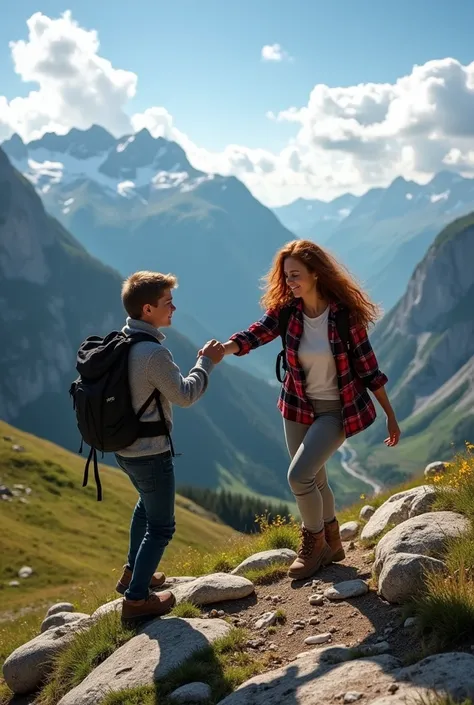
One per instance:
(342, 325)
(283, 320)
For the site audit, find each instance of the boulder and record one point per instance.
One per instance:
(399, 508)
(160, 647)
(264, 559)
(60, 607)
(217, 587)
(346, 590)
(403, 575)
(60, 618)
(423, 535)
(349, 530)
(312, 679)
(191, 693)
(112, 606)
(436, 468)
(26, 668)
(366, 512)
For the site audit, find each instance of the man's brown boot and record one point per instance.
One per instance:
(157, 604)
(156, 581)
(312, 554)
(333, 539)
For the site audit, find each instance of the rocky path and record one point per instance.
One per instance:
(366, 621)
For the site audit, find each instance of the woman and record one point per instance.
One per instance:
(324, 397)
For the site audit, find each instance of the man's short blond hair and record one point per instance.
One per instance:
(144, 288)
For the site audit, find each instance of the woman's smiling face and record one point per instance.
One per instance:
(298, 277)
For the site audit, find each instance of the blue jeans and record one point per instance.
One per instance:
(153, 522)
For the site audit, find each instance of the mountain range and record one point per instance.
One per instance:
(137, 203)
(383, 235)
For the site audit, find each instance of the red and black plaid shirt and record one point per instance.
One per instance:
(358, 410)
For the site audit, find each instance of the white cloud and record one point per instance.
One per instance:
(345, 138)
(274, 52)
(76, 86)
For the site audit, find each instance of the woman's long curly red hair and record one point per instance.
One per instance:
(334, 282)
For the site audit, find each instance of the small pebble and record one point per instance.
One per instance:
(221, 613)
(317, 600)
(333, 630)
(410, 622)
(393, 687)
(290, 633)
(314, 620)
(318, 639)
(213, 614)
(352, 697)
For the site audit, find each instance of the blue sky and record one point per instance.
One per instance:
(394, 85)
(202, 59)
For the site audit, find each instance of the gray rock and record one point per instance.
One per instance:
(410, 622)
(424, 535)
(192, 693)
(346, 590)
(436, 468)
(112, 606)
(366, 512)
(451, 673)
(403, 575)
(14, 583)
(217, 587)
(266, 620)
(26, 668)
(312, 680)
(60, 618)
(264, 559)
(349, 530)
(352, 697)
(60, 607)
(160, 647)
(316, 600)
(25, 572)
(318, 638)
(399, 508)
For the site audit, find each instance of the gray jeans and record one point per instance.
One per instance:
(309, 448)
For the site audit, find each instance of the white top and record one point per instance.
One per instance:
(316, 358)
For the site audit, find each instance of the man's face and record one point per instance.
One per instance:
(160, 315)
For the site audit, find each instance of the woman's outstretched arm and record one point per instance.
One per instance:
(259, 333)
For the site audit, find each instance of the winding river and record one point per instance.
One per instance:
(350, 464)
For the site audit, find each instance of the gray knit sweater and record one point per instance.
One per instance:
(152, 367)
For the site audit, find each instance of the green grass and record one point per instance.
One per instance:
(224, 665)
(186, 610)
(445, 609)
(65, 535)
(89, 648)
(266, 576)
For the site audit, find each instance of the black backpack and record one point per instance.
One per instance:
(342, 325)
(102, 400)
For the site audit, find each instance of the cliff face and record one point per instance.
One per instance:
(45, 310)
(428, 338)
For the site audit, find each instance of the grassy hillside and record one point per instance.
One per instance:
(63, 533)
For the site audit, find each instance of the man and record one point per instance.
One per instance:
(148, 300)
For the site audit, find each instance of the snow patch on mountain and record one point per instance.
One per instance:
(434, 198)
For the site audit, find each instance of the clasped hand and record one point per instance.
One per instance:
(213, 350)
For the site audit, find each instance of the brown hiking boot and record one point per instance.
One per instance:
(156, 581)
(333, 539)
(312, 554)
(157, 604)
